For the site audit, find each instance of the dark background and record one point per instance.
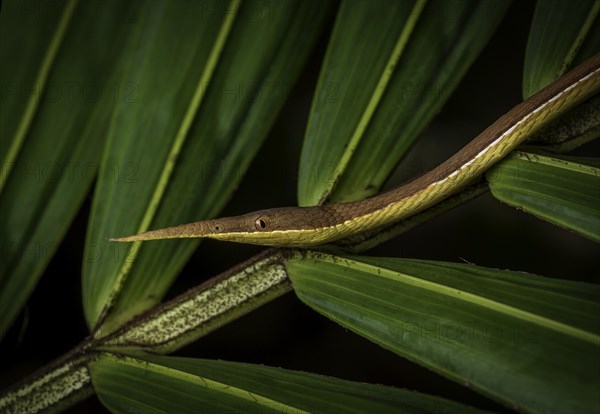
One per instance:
(286, 333)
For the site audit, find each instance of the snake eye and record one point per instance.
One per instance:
(261, 223)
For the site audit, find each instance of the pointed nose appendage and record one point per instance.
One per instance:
(184, 231)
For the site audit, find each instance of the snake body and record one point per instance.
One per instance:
(309, 226)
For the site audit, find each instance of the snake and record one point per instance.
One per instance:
(316, 225)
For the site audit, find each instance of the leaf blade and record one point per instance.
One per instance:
(460, 338)
(550, 52)
(58, 161)
(415, 93)
(220, 385)
(29, 107)
(226, 133)
(565, 193)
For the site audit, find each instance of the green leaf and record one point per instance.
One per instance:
(170, 384)
(562, 191)
(558, 31)
(146, 135)
(60, 155)
(389, 68)
(178, 174)
(502, 333)
(26, 63)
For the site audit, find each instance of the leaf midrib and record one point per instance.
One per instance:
(41, 78)
(474, 299)
(171, 159)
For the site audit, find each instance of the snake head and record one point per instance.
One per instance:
(286, 226)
